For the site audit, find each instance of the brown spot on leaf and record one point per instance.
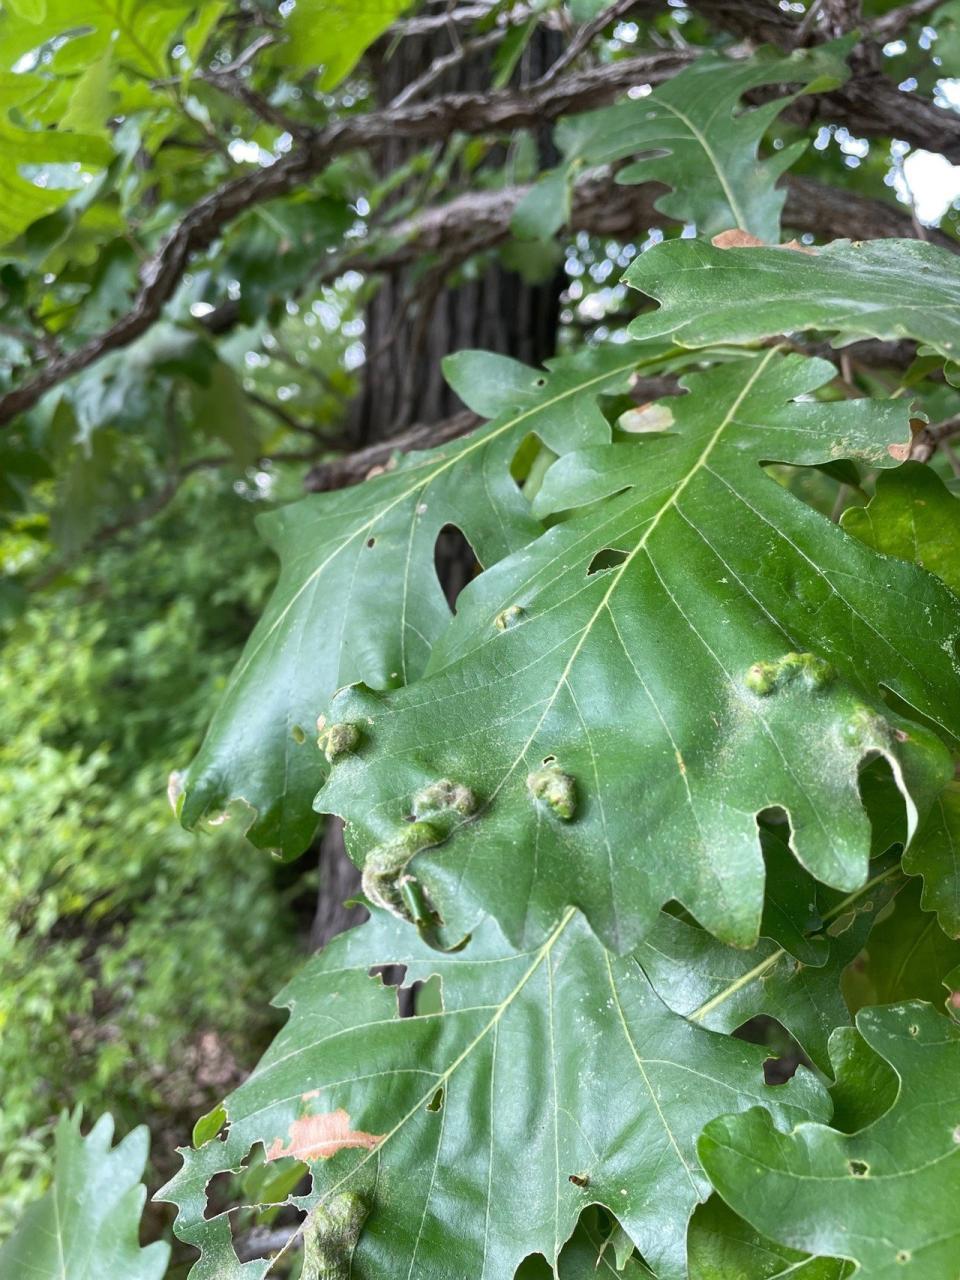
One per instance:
(899, 451)
(320, 1137)
(737, 239)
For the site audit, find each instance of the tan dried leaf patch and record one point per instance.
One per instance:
(320, 1137)
(737, 239)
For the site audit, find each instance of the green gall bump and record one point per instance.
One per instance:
(816, 672)
(445, 797)
(555, 789)
(508, 617)
(761, 678)
(330, 1237)
(865, 726)
(764, 678)
(339, 740)
(383, 871)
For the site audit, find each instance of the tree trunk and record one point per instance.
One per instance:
(413, 321)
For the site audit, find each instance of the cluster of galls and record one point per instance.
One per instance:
(764, 678)
(435, 810)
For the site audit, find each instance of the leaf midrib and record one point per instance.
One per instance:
(618, 574)
(483, 438)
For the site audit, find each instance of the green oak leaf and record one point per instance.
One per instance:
(86, 1226)
(358, 596)
(589, 1254)
(138, 34)
(935, 855)
(884, 1197)
(908, 956)
(722, 987)
(699, 140)
(334, 34)
(855, 289)
(612, 726)
(914, 516)
(430, 1122)
(725, 1247)
(866, 1085)
(23, 153)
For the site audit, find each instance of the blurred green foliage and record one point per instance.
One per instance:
(118, 928)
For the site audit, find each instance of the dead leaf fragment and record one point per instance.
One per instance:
(737, 239)
(320, 1137)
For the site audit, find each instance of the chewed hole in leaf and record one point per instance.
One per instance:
(436, 1102)
(249, 1245)
(859, 1168)
(392, 975)
(371, 542)
(455, 562)
(222, 1191)
(884, 803)
(785, 1053)
(608, 558)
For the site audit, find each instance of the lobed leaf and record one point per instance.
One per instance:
(723, 1246)
(358, 597)
(432, 1121)
(884, 1197)
(693, 134)
(914, 516)
(723, 987)
(617, 655)
(885, 289)
(87, 1225)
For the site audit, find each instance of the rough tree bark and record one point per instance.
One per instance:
(412, 322)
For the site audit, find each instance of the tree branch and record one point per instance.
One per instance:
(868, 104)
(470, 113)
(928, 439)
(481, 219)
(890, 25)
(354, 467)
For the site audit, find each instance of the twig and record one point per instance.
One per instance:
(870, 107)
(442, 64)
(928, 439)
(470, 113)
(585, 36)
(806, 26)
(890, 25)
(354, 467)
(288, 420)
(464, 16)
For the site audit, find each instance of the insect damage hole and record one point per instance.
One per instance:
(436, 1102)
(608, 558)
(455, 562)
(220, 1191)
(859, 1168)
